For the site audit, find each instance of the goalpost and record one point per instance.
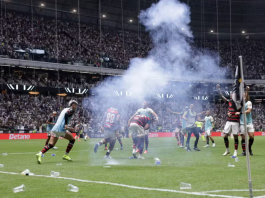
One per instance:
(245, 128)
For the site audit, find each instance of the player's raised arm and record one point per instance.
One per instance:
(201, 113)
(154, 114)
(220, 93)
(178, 113)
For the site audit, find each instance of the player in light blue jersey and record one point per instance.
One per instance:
(208, 126)
(61, 129)
(50, 123)
(148, 112)
(249, 125)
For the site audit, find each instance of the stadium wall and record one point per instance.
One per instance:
(27, 136)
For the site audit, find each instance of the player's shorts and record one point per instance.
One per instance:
(49, 133)
(231, 127)
(136, 130)
(110, 134)
(208, 132)
(250, 128)
(177, 130)
(84, 133)
(58, 134)
(184, 131)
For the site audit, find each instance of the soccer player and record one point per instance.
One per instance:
(183, 129)
(199, 125)
(78, 129)
(61, 129)
(178, 126)
(119, 139)
(190, 117)
(208, 127)
(138, 125)
(149, 113)
(123, 132)
(232, 122)
(110, 123)
(249, 123)
(50, 123)
(85, 129)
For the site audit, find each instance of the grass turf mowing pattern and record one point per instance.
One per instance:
(205, 170)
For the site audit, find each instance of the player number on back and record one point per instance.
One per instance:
(110, 118)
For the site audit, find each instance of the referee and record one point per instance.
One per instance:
(190, 117)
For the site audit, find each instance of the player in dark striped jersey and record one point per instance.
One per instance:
(178, 127)
(138, 125)
(146, 111)
(50, 123)
(232, 122)
(110, 124)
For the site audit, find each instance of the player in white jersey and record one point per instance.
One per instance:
(85, 130)
(61, 129)
(148, 112)
(249, 125)
(208, 128)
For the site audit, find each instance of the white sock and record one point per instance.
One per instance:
(133, 150)
(85, 137)
(66, 153)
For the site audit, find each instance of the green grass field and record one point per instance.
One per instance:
(205, 170)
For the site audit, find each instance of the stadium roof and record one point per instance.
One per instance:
(246, 15)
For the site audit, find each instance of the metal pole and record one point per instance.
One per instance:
(217, 29)
(79, 33)
(245, 128)
(99, 11)
(230, 4)
(122, 30)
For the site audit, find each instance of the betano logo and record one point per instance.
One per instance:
(18, 137)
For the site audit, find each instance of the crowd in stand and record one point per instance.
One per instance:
(113, 48)
(24, 112)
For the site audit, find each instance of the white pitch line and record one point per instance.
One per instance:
(129, 186)
(233, 190)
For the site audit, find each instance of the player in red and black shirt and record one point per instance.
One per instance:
(178, 126)
(232, 122)
(50, 123)
(110, 125)
(138, 125)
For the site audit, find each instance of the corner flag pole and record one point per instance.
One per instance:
(245, 128)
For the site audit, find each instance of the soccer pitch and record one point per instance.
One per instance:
(207, 171)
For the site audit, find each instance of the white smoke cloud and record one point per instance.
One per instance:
(173, 56)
